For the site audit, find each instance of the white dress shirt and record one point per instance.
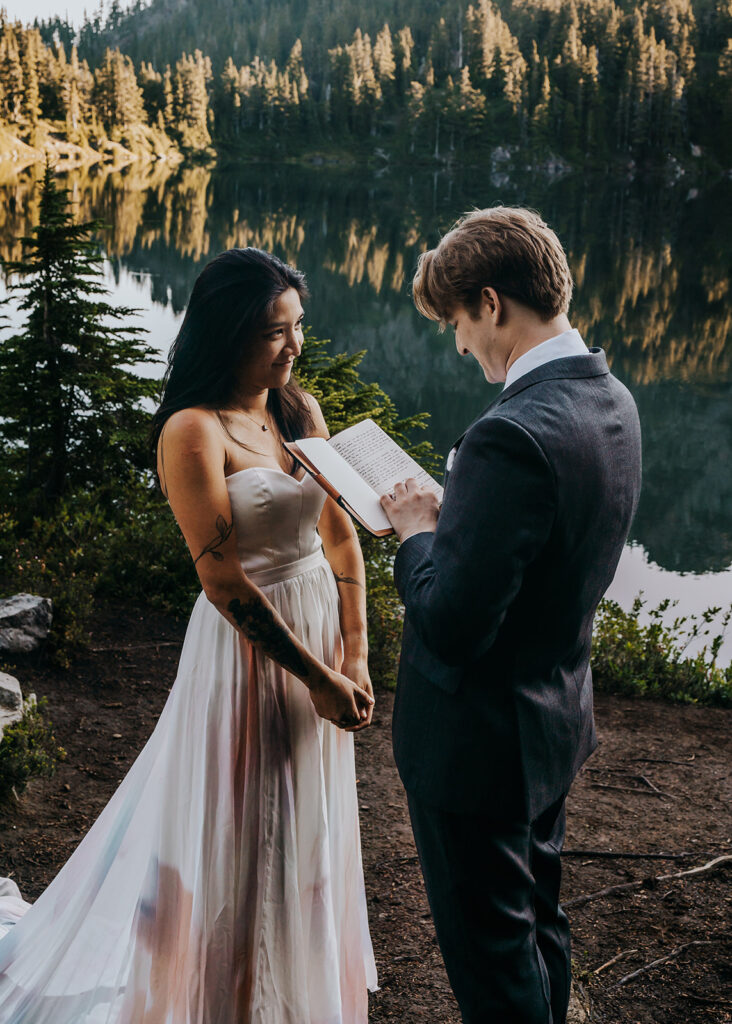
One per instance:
(569, 343)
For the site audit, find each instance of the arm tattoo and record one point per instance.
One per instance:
(224, 531)
(340, 578)
(259, 626)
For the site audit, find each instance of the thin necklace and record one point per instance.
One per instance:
(262, 425)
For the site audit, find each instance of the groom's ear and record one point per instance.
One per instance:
(493, 304)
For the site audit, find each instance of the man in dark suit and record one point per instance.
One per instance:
(493, 712)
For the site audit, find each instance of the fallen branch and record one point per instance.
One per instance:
(645, 883)
(724, 859)
(135, 647)
(665, 760)
(648, 783)
(629, 789)
(609, 963)
(705, 1001)
(611, 855)
(661, 960)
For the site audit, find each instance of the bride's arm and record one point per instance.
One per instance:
(191, 461)
(343, 551)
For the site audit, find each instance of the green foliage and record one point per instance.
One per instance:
(28, 749)
(651, 661)
(71, 407)
(384, 610)
(124, 549)
(345, 399)
(118, 541)
(52, 560)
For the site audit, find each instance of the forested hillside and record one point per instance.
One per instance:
(590, 80)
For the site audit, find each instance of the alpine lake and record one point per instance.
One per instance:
(650, 260)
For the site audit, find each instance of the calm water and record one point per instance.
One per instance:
(652, 288)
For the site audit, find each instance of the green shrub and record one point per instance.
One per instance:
(53, 560)
(651, 661)
(121, 543)
(28, 749)
(345, 399)
(384, 610)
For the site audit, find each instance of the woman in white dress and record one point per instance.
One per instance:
(222, 883)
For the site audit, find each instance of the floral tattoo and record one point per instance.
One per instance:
(224, 532)
(259, 625)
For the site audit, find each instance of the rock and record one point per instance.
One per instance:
(24, 622)
(10, 696)
(11, 701)
(577, 1014)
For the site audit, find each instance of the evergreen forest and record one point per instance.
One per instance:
(587, 82)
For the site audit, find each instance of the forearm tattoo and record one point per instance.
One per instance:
(224, 532)
(340, 578)
(259, 626)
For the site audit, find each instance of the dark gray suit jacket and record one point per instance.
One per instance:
(493, 710)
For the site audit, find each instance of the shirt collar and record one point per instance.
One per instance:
(568, 343)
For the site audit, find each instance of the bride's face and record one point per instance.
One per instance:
(272, 352)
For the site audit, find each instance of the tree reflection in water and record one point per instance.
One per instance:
(648, 261)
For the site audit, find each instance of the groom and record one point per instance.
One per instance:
(493, 712)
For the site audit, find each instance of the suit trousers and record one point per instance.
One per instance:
(493, 889)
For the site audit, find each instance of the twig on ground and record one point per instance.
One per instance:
(644, 883)
(629, 789)
(135, 647)
(661, 960)
(612, 855)
(609, 963)
(706, 1001)
(665, 760)
(648, 783)
(626, 774)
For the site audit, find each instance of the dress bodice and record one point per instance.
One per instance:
(275, 517)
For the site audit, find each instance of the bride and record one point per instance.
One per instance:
(222, 883)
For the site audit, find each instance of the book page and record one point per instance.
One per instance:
(378, 459)
(355, 491)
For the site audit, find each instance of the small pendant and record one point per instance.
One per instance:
(265, 427)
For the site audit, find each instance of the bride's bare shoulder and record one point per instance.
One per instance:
(191, 428)
(319, 424)
(191, 440)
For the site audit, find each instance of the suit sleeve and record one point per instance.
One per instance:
(498, 511)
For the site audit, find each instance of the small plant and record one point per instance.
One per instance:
(51, 561)
(28, 749)
(651, 661)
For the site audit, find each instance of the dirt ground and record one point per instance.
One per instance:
(658, 784)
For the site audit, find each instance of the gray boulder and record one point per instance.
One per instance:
(11, 701)
(24, 622)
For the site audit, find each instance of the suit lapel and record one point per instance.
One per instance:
(594, 364)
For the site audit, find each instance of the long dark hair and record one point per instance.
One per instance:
(232, 298)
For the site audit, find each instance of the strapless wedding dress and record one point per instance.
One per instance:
(222, 883)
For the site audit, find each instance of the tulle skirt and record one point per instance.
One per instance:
(222, 883)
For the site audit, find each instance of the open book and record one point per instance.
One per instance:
(358, 466)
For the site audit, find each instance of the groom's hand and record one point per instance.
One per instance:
(411, 509)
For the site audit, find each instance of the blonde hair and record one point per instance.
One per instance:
(507, 248)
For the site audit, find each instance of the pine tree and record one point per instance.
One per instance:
(118, 97)
(384, 61)
(190, 91)
(31, 100)
(403, 49)
(11, 74)
(71, 407)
